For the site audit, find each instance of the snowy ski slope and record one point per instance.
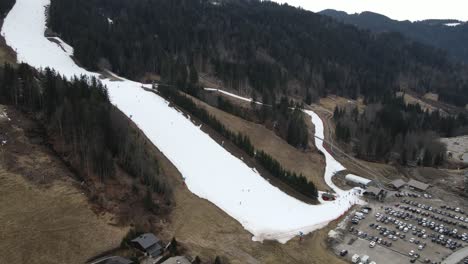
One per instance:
(210, 171)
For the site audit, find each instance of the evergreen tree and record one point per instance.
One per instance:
(197, 260)
(193, 75)
(232, 42)
(173, 247)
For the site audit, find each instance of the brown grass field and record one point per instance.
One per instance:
(310, 163)
(45, 216)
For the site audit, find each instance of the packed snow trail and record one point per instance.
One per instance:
(210, 171)
(332, 165)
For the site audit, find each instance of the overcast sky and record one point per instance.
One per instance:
(395, 9)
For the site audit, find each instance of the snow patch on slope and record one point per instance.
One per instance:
(232, 95)
(67, 48)
(210, 171)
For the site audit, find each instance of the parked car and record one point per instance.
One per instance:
(343, 252)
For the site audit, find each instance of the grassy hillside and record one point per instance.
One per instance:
(45, 213)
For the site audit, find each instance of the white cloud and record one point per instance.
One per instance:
(396, 9)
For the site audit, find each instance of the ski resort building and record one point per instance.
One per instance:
(417, 185)
(373, 191)
(149, 244)
(357, 180)
(397, 184)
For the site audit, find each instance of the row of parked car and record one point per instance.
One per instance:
(457, 219)
(437, 227)
(359, 215)
(455, 209)
(446, 242)
(402, 229)
(400, 224)
(435, 217)
(361, 259)
(372, 239)
(438, 238)
(414, 195)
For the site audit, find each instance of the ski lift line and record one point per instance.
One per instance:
(353, 160)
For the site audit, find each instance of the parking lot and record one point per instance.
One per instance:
(407, 228)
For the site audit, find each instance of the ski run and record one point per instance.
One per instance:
(209, 170)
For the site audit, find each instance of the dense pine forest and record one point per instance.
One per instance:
(83, 126)
(431, 32)
(5, 6)
(285, 118)
(258, 46)
(395, 131)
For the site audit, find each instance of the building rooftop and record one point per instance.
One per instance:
(398, 183)
(418, 185)
(357, 179)
(155, 250)
(373, 190)
(146, 240)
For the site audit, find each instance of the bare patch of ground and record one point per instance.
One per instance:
(310, 163)
(457, 148)
(332, 101)
(45, 215)
(413, 100)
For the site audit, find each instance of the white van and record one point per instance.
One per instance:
(355, 258)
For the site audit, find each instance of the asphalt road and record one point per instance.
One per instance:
(457, 256)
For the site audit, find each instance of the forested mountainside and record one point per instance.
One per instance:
(449, 35)
(397, 132)
(5, 6)
(254, 45)
(85, 129)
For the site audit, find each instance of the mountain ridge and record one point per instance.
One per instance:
(260, 47)
(446, 34)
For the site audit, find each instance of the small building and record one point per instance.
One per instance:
(373, 191)
(149, 244)
(417, 185)
(397, 184)
(357, 180)
(177, 260)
